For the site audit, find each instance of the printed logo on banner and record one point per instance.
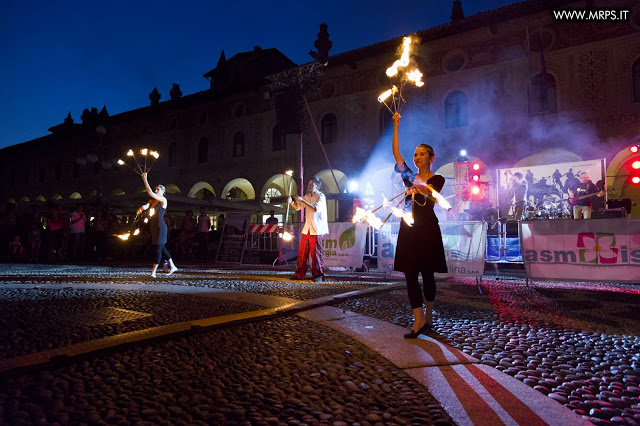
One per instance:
(592, 248)
(348, 238)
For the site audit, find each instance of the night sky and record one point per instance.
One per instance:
(61, 56)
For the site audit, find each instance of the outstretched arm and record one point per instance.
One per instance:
(395, 143)
(152, 194)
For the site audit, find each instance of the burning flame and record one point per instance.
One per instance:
(368, 216)
(385, 95)
(404, 58)
(146, 220)
(287, 236)
(120, 162)
(136, 232)
(144, 151)
(154, 154)
(442, 202)
(130, 153)
(416, 77)
(406, 216)
(152, 211)
(123, 237)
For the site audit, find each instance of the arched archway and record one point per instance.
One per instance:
(56, 197)
(40, 198)
(117, 191)
(25, 198)
(239, 189)
(618, 184)
(278, 186)
(329, 184)
(75, 196)
(201, 190)
(548, 156)
(172, 188)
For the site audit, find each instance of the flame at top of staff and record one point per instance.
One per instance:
(154, 154)
(120, 162)
(416, 77)
(287, 236)
(289, 173)
(442, 202)
(130, 153)
(404, 58)
(144, 151)
(385, 95)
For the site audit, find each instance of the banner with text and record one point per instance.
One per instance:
(582, 250)
(464, 246)
(344, 245)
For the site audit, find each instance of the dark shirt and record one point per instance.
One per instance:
(581, 189)
(519, 191)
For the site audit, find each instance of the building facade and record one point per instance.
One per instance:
(503, 84)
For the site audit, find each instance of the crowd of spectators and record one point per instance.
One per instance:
(52, 234)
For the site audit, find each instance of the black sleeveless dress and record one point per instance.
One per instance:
(158, 227)
(420, 247)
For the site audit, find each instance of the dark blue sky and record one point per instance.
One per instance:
(68, 55)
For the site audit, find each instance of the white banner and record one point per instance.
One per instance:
(550, 181)
(344, 245)
(464, 245)
(583, 250)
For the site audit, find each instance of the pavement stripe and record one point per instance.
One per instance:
(518, 410)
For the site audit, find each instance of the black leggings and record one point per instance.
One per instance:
(413, 288)
(162, 250)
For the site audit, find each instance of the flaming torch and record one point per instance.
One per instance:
(144, 152)
(394, 71)
(286, 235)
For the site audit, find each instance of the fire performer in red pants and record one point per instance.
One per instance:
(419, 249)
(315, 226)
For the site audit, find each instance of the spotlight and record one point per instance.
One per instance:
(463, 153)
(353, 186)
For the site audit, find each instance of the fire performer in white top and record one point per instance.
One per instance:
(419, 249)
(315, 226)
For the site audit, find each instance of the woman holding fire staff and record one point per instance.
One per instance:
(419, 249)
(157, 224)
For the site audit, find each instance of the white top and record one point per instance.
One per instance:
(78, 227)
(315, 223)
(204, 223)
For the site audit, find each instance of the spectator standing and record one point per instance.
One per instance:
(78, 232)
(204, 225)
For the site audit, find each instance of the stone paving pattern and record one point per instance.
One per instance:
(580, 347)
(576, 343)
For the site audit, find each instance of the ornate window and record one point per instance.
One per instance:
(271, 193)
(455, 110)
(329, 128)
(238, 144)
(542, 94)
(203, 150)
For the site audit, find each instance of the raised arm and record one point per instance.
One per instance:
(395, 143)
(152, 194)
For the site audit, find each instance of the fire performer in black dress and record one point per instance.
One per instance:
(419, 249)
(157, 224)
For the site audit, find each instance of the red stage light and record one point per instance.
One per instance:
(475, 166)
(475, 190)
(634, 149)
(636, 164)
(475, 178)
(635, 180)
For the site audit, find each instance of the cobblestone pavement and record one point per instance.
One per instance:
(577, 343)
(283, 371)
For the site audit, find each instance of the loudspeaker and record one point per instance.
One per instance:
(611, 213)
(289, 110)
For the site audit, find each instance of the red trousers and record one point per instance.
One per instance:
(310, 245)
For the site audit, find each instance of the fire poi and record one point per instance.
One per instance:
(139, 169)
(401, 70)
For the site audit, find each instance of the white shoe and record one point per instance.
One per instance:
(172, 270)
(153, 275)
